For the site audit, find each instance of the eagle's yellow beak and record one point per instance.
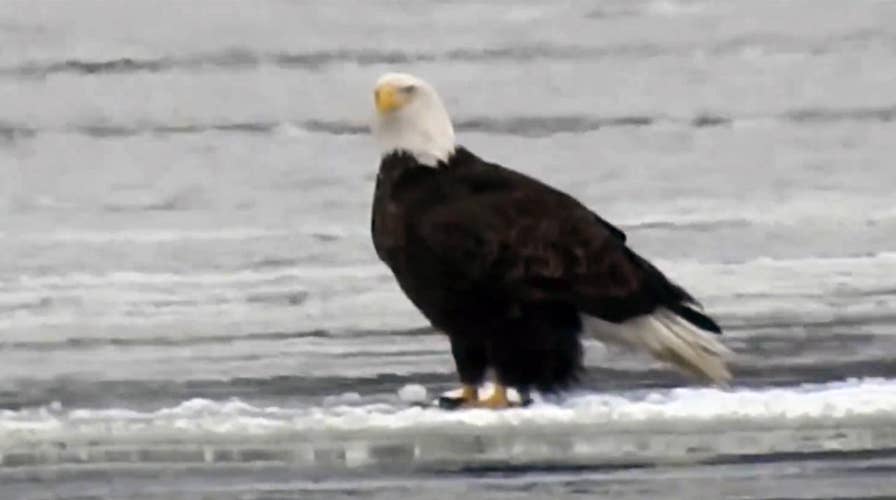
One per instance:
(388, 98)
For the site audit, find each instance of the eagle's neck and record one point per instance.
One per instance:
(425, 151)
(423, 129)
(401, 159)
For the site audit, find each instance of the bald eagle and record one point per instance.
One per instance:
(511, 269)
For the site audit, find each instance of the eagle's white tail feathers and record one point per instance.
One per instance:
(670, 338)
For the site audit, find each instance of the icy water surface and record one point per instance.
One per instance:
(190, 305)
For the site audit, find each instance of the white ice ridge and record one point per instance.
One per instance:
(851, 403)
(91, 236)
(152, 235)
(123, 278)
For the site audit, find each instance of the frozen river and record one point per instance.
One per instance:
(190, 304)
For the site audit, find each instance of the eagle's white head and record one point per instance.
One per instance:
(410, 117)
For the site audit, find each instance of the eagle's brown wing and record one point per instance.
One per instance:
(537, 245)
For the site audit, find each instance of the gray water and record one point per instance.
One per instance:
(190, 305)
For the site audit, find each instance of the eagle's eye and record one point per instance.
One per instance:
(409, 88)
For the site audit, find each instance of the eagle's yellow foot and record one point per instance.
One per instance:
(469, 398)
(497, 401)
(469, 394)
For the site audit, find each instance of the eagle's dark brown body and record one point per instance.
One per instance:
(507, 266)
